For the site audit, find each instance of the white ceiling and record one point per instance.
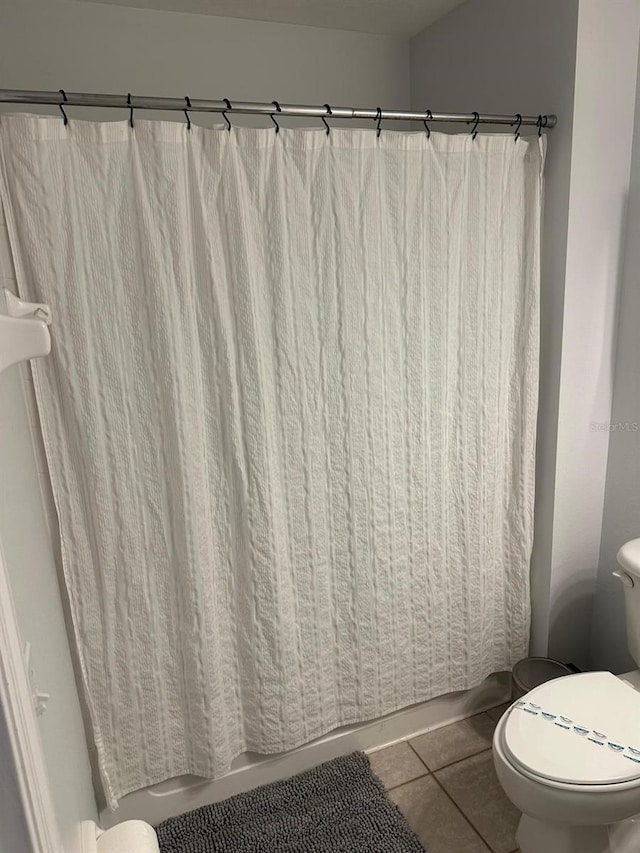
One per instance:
(389, 17)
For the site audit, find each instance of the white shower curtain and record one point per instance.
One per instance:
(289, 418)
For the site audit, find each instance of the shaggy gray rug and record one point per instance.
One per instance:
(337, 807)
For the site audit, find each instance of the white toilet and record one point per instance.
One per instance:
(568, 753)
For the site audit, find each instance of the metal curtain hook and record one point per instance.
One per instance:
(517, 122)
(224, 115)
(540, 123)
(65, 120)
(476, 122)
(186, 114)
(379, 120)
(130, 110)
(324, 121)
(426, 126)
(279, 109)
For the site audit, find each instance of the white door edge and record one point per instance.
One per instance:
(89, 832)
(22, 729)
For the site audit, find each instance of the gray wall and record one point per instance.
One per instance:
(621, 520)
(508, 56)
(80, 46)
(606, 71)
(572, 59)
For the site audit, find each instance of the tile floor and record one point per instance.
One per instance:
(445, 785)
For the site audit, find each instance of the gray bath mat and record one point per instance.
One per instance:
(337, 807)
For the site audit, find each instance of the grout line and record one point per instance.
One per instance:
(441, 786)
(447, 794)
(466, 758)
(407, 782)
(452, 763)
(420, 759)
(515, 850)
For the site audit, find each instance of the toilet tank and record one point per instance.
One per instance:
(629, 560)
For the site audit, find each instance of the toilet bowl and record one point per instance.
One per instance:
(568, 756)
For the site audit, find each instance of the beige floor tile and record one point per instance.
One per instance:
(452, 743)
(435, 819)
(396, 765)
(474, 786)
(496, 713)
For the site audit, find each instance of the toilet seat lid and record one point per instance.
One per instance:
(579, 729)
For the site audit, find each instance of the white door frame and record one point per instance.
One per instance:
(22, 729)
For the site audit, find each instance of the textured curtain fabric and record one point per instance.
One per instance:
(289, 417)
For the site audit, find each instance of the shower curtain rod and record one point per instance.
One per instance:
(139, 102)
